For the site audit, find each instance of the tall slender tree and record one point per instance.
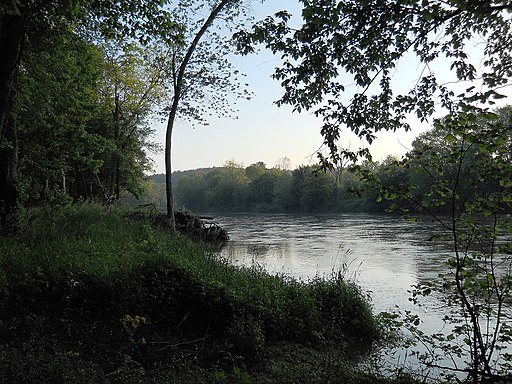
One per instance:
(12, 31)
(195, 67)
(132, 90)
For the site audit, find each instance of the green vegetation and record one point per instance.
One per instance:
(465, 162)
(88, 81)
(203, 77)
(368, 186)
(78, 84)
(90, 294)
(94, 138)
(256, 188)
(366, 66)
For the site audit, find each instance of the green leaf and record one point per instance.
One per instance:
(484, 148)
(428, 16)
(506, 183)
(450, 138)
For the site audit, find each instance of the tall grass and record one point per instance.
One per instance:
(94, 265)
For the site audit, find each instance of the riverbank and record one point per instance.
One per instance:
(90, 294)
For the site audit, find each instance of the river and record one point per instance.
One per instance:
(385, 255)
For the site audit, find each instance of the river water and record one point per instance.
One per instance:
(385, 255)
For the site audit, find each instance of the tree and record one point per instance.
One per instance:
(194, 68)
(226, 188)
(364, 43)
(191, 191)
(12, 29)
(92, 136)
(262, 183)
(466, 171)
(355, 47)
(256, 170)
(283, 191)
(139, 20)
(67, 124)
(313, 191)
(435, 148)
(387, 182)
(132, 90)
(284, 164)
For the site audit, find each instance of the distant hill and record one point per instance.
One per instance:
(159, 178)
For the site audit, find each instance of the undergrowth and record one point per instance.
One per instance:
(88, 294)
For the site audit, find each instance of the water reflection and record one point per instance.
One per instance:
(385, 255)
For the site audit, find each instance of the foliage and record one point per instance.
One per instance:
(89, 100)
(132, 92)
(340, 62)
(256, 188)
(367, 186)
(465, 161)
(200, 71)
(135, 303)
(24, 23)
(69, 143)
(210, 84)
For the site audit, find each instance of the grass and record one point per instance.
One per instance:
(89, 294)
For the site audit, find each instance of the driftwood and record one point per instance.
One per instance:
(200, 227)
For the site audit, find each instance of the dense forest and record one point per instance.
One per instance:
(89, 104)
(83, 85)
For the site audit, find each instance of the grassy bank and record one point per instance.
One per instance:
(90, 294)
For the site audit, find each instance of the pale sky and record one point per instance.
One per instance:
(265, 132)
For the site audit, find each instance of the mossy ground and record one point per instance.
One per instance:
(90, 294)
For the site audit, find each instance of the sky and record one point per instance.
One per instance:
(265, 132)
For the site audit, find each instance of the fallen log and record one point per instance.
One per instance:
(196, 227)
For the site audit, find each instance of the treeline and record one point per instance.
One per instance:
(410, 184)
(256, 188)
(260, 189)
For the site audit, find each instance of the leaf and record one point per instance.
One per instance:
(506, 183)
(428, 16)
(450, 138)
(484, 148)
(491, 116)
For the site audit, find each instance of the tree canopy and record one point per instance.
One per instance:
(342, 61)
(70, 31)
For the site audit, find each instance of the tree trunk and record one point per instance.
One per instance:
(64, 187)
(168, 169)
(116, 168)
(178, 87)
(118, 179)
(11, 38)
(8, 163)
